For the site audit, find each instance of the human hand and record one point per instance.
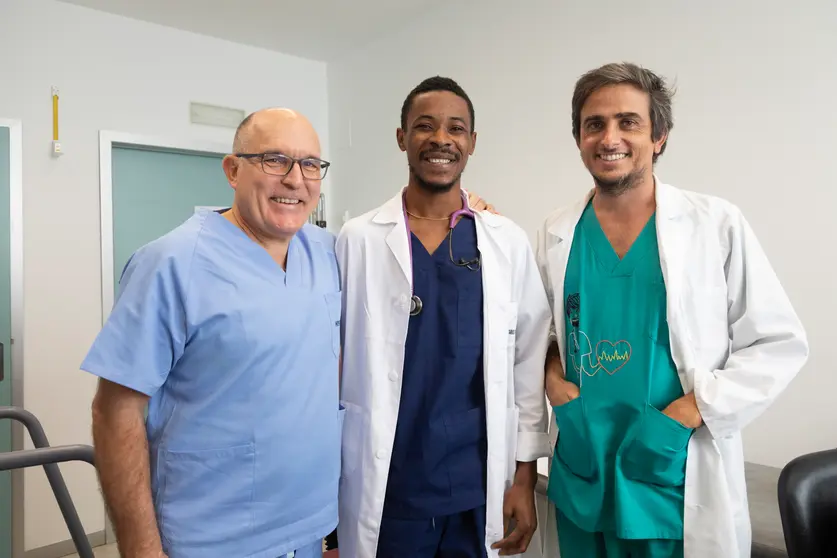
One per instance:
(685, 411)
(478, 204)
(519, 513)
(558, 390)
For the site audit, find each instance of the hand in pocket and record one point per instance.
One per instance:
(558, 390)
(657, 453)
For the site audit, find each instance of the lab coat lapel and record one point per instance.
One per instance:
(562, 232)
(494, 251)
(496, 284)
(674, 231)
(392, 213)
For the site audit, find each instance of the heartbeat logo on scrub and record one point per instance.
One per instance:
(609, 356)
(613, 356)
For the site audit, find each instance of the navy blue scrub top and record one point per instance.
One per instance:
(439, 456)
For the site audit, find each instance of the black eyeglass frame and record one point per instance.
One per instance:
(324, 165)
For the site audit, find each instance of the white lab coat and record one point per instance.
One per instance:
(735, 339)
(374, 259)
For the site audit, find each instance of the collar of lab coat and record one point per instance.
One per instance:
(393, 212)
(671, 205)
(675, 220)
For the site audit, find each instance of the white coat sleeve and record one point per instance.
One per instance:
(768, 343)
(531, 342)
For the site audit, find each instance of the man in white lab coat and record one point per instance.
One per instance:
(445, 331)
(691, 337)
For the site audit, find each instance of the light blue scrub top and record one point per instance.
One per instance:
(240, 360)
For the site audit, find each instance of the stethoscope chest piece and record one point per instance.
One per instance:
(415, 306)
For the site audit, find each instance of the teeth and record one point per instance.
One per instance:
(285, 200)
(440, 161)
(613, 156)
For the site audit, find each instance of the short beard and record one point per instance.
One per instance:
(620, 185)
(433, 187)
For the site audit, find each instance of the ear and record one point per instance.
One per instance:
(230, 165)
(473, 143)
(658, 145)
(399, 137)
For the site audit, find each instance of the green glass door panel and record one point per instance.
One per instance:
(5, 339)
(156, 191)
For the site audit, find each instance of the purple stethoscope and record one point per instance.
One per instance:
(474, 265)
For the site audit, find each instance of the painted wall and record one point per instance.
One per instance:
(114, 74)
(754, 123)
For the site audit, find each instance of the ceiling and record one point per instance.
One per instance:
(314, 29)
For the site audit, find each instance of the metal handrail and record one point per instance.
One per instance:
(49, 457)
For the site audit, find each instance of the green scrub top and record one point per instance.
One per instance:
(619, 466)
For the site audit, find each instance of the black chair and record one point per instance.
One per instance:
(808, 505)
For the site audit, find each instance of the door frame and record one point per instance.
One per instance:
(109, 139)
(15, 128)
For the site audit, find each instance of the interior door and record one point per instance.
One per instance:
(5, 343)
(154, 191)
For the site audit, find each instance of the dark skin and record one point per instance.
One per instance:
(617, 146)
(438, 141)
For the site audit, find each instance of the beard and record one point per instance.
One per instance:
(618, 186)
(433, 187)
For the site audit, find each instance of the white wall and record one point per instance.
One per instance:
(114, 74)
(755, 123)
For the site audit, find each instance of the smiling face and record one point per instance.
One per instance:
(615, 138)
(438, 140)
(272, 205)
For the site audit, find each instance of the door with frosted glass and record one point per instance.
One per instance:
(155, 191)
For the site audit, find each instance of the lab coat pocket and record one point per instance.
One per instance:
(502, 323)
(334, 301)
(657, 453)
(574, 448)
(196, 484)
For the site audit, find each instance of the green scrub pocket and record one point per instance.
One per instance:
(574, 448)
(657, 453)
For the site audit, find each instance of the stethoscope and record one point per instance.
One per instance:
(474, 265)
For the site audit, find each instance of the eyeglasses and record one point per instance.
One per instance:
(280, 165)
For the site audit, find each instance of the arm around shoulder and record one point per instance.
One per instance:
(768, 342)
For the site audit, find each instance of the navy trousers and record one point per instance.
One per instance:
(460, 535)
